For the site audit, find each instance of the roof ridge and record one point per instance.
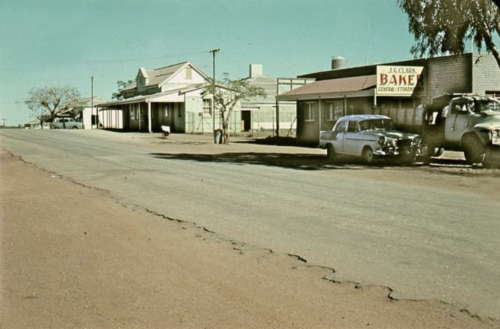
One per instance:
(164, 67)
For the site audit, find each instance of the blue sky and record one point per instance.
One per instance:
(66, 42)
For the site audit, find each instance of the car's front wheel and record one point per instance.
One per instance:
(368, 155)
(408, 155)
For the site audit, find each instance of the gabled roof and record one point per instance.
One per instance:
(343, 85)
(159, 77)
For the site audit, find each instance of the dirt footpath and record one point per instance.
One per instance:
(73, 258)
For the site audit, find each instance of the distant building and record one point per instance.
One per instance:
(265, 114)
(388, 89)
(175, 96)
(170, 96)
(87, 111)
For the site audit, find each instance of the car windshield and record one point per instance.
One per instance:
(376, 124)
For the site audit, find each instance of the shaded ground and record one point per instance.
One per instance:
(283, 152)
(73, 258)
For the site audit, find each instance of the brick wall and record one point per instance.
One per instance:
(450, 74)
(485, 74)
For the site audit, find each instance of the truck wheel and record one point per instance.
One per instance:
(492, 157)
(437, 152)
(473, 150)
(368, 155)
(330, 152)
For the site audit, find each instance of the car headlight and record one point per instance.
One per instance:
(381, 140)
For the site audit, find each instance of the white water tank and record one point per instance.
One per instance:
(339, 62)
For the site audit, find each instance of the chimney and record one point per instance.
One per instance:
(256, 70)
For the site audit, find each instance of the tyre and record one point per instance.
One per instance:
(330, 152)
(438, 151)
(408, 157)
(474, 150)
(492, 157)
(368, 155)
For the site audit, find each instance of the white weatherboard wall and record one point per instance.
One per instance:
(111, 119)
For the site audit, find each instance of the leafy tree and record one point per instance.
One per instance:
(227, 94)
(121, 86)
(50, 101)
(443, 26)
(40, 113)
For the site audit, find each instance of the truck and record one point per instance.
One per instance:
(467, 123)
(66, 123)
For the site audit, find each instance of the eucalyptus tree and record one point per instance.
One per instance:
(121, 85)
(446, 26)
(50, 101)
(227, 94)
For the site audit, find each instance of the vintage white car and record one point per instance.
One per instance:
(66, 123)
(371, 137)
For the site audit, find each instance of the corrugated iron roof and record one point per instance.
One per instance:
(335, 86)
(157, 76)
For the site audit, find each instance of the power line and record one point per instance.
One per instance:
(234, 62)
(48, 80)
(106, 61)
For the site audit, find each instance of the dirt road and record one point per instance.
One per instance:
(73, 258)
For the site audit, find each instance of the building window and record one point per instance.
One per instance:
(207, 106)
(334, 110)
(189, 72)
(308, 111)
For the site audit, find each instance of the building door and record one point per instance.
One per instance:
(246, 118)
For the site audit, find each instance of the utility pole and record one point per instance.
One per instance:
(92, 102)
(213, 51)
(277, 108)
(4, 122)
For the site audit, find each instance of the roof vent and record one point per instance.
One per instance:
(339, 62)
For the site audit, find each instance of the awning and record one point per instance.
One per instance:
(133, 100)
(170, 96)
(351, 87)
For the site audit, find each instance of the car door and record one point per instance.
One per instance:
(338, 140)
(457, 120)
(351, 138)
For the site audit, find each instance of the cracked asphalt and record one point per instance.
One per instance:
(415, 233)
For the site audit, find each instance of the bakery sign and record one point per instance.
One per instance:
(399, 81)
